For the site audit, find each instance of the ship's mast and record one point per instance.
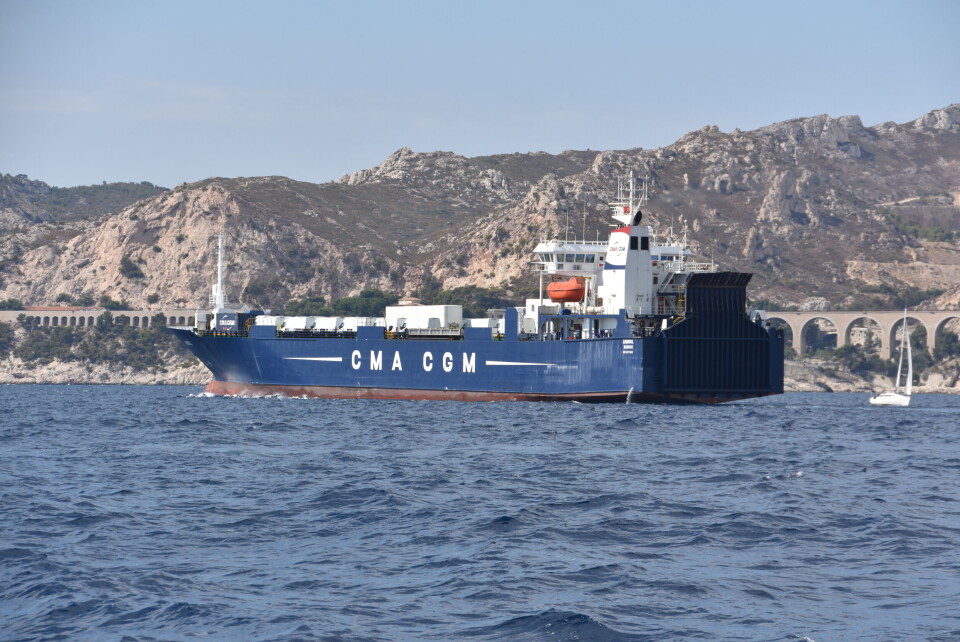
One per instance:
(217, 299)
(220, 297)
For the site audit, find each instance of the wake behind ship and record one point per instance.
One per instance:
(631, 319)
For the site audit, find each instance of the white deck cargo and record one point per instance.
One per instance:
(350, 324)
(424, 317)
(480, 323)
(297, 323)
(327, 323)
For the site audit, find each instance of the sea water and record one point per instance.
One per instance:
(149, 513)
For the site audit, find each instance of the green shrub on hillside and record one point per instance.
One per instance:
(84, 300)
(948, 345)
(370, 303)
(312, 306)
(129, 269)
(108, 303)
(6, 338)
(859, 362)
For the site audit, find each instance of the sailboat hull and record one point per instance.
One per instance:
(890, 399)
(895, 397)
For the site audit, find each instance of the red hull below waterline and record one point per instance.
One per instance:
(225, 388)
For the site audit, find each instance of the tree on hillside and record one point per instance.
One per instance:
(370, 303)
(312, 306)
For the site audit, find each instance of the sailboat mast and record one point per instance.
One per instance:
(906, 338)
(903, 337)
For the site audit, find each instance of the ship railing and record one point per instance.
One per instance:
(557, 243)
(670, 266)
(550, 266)
(311, 333)
(429, 333)
(222, 333)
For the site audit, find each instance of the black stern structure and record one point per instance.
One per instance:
(717, 353)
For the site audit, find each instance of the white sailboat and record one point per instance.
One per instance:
(896, 397)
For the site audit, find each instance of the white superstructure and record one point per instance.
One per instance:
(637, 271)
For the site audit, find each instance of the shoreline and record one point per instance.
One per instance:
(801, 376)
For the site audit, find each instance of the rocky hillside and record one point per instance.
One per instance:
(816, 207)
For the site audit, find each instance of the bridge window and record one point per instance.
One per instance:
(590, 258)
(190, 321)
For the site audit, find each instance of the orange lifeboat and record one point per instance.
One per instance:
(566, 291)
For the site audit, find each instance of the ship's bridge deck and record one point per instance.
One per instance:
(569, 257)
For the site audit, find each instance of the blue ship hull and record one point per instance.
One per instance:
(716, 354)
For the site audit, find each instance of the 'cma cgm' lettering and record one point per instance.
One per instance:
(468, 362)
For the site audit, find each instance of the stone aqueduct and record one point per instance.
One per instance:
(888, 322)
(83, 317)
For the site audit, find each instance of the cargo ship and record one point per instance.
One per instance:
(634, 318)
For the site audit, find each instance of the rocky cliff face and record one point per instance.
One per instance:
(13, 370)
(816, 207)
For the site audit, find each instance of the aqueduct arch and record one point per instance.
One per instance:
(932, 321)
(809, 325)
(853, 324)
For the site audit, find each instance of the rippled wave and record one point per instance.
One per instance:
(160, 513)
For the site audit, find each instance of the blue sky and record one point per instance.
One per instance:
(110, 90)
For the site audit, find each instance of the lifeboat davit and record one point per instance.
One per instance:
(566, 291)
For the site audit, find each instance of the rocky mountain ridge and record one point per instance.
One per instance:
(23, 201)
(815, 207)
